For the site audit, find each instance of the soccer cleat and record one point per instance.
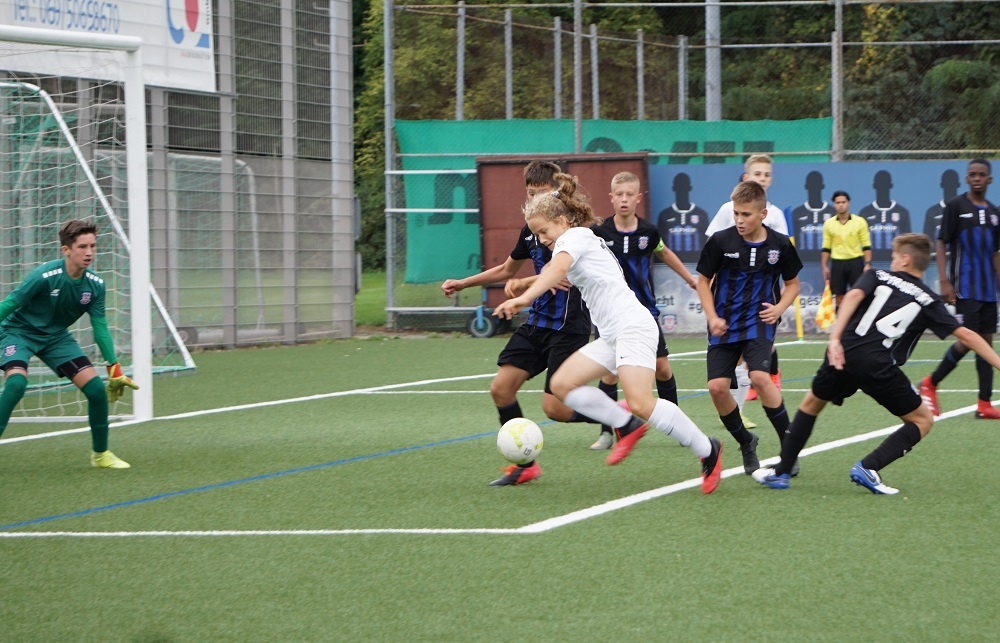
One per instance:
(749, 451)
(711, 467)
(604, 442)
(795, 468)
(776, 378)
(107, 460)
(515, 474)
(928, 393)
(986, 411)
(769, 478)
(747, 422)
(870, 480)
(625, 443)
(751, 394)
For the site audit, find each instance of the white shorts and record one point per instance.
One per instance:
(631, 348)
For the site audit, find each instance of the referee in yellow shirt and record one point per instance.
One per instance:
(847, 242)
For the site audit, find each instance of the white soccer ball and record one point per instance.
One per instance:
(520, 440)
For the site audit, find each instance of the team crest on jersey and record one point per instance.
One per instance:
(895, 217)
(773, 256)
(994, 220)
(643, 243)
(85, 298)
(694, 219)
(9, 350)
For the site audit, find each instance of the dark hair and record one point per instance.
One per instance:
(841, 193)
(915, 244)
(69, 231)
(982, 162)
(564, 201)
(541, 173)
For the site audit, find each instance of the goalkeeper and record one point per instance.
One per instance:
(34, 320)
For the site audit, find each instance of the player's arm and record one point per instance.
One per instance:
(982, 348)
(7, 306)
(515, 287)
(824, 262)
(554, 272)
(496, 274)
(866, 244)
(771, 313)
(716, 325)
(670, 258)
(848, 306)
(117, 379)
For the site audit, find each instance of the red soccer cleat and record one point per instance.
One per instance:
(928, 393)
(987, 411)
(711, 468)
(518, 475)
(751, 394)
(625, 443)
(776, 378)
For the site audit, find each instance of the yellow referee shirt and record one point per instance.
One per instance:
(846, 240)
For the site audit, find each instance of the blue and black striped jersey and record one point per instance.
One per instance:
(746, 276)
(563, 311)
(634, 251)
(972, 235)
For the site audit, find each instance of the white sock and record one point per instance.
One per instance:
(667, 417)
(592, 402)
(742, 385)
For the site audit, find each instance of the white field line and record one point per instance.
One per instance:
(534, 528)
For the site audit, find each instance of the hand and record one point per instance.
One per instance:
(514, 287)
(451, 286)
(509, 308)
(693, 283)
(718, 327)
(835, 354)
(117, 381)
(947, 292)
(770, 313)
(564, 285)
(826, 274)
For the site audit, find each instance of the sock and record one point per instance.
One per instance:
(509, 412)
(734, 424)
(670, 419)
(779, 419)
(13, 391)
(795, 439)
(774, 361)
(97, 413)
(590, 400)
(578, 417)
(951, 359)
(985, 372)
(667, 389)
(611, 390)
(894, 447)
(742, 385)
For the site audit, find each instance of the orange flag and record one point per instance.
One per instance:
(825, 314)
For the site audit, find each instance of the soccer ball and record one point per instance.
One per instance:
(520, 440)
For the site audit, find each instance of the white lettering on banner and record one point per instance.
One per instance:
(177, 49)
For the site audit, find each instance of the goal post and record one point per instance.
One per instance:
(57, 180)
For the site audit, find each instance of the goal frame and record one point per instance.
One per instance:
(137, 240)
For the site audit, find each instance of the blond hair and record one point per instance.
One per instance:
(757, 158)
(563, 201)
(750, 192)
(624, 177)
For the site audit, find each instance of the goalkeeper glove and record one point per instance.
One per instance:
(117, 381)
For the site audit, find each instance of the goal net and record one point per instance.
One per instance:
(64, 154)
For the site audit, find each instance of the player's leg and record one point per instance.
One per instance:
(896, 395)
(15, 383)
(81, 372)
(721, 362)
(952, 356)
(757, 353)
(666, 383)
(986, 324)
(519, 361)
(609, 386)
(557, 347)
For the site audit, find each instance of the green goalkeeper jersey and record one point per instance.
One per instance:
(49, 301)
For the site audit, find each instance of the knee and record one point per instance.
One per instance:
(95, 392)
(719, 389)
(15, 386)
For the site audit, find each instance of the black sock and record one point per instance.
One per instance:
(894, 447)
(667, 390)
(794, 440)
(985, 372)
(580, 417)
(774, 361)
(779, 419)
(633, 424)
(509, 412)
(611, 390)
(734, 424)
(952, 357)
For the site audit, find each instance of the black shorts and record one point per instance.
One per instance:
(881, 380)
(978, 316)
(844, 273)
(535, 349)
(721, 359)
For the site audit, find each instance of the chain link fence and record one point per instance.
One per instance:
(899, 81)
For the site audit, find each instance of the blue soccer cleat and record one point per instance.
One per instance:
(768, 478)
(870, 480)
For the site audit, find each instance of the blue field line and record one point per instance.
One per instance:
(231, 483)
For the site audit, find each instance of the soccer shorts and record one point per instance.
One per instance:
(978, 316)
(880, 379)
(55, 351)
(534, 349)
(721, 359)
